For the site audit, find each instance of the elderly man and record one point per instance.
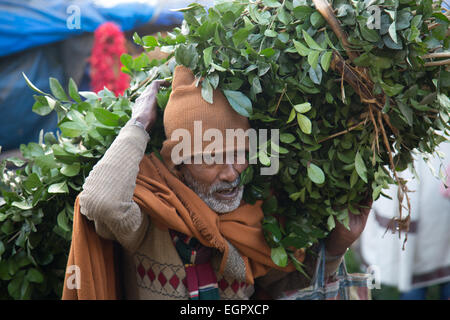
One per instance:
(184, 230)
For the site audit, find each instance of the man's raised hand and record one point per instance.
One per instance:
(144, 109)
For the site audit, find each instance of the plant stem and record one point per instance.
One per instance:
(437, 55)
(343, 132)
(437, 63)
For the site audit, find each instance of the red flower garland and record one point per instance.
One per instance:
(109, 45)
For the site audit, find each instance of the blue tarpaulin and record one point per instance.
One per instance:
(26, 24)
(30, 34)
(18, 124)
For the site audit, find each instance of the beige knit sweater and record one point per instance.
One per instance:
(151, 266)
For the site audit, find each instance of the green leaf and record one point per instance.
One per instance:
(391, 44)
(73, 91)
(331, 223)
(214, 80)
(360, 167)
(15, 285)
(51, 102)
(16, 161)
(353, 178)
(393, 32)
(58, 188)
(70, 170)
(137, 39)
(89, 96)
(106, 117)
(187, 56)
(207, 56)
(270, 33)
(217, 67)
(291, 116)
(267, 52)
(239, 102)
(284, 16)
(256, 85)
(2, 250)
(311, 42)
(403, 19)
(270, 206)
(34, 275)
(304, 123)
(57, 90)
(313, 58)
(370, 34)
(263, 157)
(317, 20)
(273, 229)
(392, 90)
(302, 11)
(62, 221)
(127, 61)
(376, 192)
(278, 149)
(31, 150)
(325, 61)
(150, 41)
(141, 62)
(72, 129)
(240, 36)
(315, 74)
(32, 182)
(301, 48)
(279, 256)
(31, 85)
(41, 106)
(247, 175)
(315, 174)
(407, 112)
(271, 3)
(23, 205)
(303, 107)
(207, 91)
(295, 196)
(283, 37)
(287, 138)
(46, 162)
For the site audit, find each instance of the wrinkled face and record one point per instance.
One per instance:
(216, 184)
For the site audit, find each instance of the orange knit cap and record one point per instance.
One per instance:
(185, 107)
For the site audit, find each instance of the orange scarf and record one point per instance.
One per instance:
(171, 205)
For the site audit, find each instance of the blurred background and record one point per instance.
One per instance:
(55, 38)
(83, 40)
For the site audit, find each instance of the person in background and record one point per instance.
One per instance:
(425, 261)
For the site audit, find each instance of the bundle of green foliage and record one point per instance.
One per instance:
(354, 89)
(280, 64)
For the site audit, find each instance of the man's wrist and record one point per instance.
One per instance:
(333, 257)
(335, 248)
(332, 263)
(136, 122)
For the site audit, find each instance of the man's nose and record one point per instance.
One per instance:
(228, 173)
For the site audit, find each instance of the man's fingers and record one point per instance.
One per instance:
(153, 88)
(161, 83)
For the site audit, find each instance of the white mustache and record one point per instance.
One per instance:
(221, 185)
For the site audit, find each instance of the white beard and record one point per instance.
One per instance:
(207, 194)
